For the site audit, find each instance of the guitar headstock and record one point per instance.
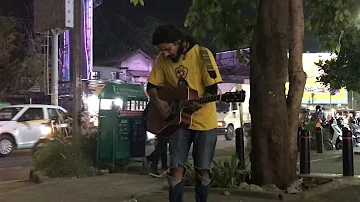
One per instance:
(238, 96)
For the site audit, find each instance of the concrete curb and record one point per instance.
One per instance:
(13, 181)
(2, 169)
(236, 192)
(240, 192)
(329, 176)
(313, 192)
(334, 184)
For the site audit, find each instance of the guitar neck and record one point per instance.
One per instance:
(208, 99)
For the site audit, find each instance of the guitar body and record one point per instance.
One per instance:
(181, 116)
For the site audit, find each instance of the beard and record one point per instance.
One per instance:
(175, 58)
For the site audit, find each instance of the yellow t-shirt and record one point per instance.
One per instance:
(192, 69)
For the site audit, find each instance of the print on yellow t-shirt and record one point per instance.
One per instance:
(193, 72)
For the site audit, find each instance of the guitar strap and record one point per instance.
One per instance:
(207, 62)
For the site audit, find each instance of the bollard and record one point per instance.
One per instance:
(305, 152)
(298, 137)
(347, 153)
(319, 140)
(240, 148)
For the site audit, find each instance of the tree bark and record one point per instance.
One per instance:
(274, 117)
(297, 79)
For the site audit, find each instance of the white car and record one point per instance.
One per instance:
(22, 126)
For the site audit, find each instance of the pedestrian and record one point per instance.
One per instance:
(182, 62)
(160, 152)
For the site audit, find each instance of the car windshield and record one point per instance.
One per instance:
(7, 113)
(222, 106)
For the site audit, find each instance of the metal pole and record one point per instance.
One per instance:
(319, 140)
(75, 59)
(298, 137)
(240, 106)
(55, 67)
(347, 153)
(240, 147)
(305, 152)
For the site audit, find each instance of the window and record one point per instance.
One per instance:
(52, 113)
(62, 113)
(222, 106)
(122, 75)
(32, 114)
(115, 75)
(96, 75)
(6, 114)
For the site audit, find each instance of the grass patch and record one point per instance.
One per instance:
(60, 158)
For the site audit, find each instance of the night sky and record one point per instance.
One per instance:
(113, 18)
(168, 11)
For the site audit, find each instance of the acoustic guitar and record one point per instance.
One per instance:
(180, 100)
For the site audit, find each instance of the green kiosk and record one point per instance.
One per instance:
(121, 133)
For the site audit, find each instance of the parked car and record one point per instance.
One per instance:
(22, 126)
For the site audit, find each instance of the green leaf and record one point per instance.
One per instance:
(337, 49)
(136, 2)
(341, 17)
(206, 19)
(186, 23)
(347, 12)
(339, 3)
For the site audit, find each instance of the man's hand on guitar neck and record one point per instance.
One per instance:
(195, 105)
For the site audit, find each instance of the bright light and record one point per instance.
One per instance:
(92, 103)
(118, 102)
(150, 136)
(221, 123)
(92, 100)
(63, 125)
(45, 130)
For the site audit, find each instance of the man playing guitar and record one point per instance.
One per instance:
(182, 62)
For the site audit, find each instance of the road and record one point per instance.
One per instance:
(18, 165)
(331, 162)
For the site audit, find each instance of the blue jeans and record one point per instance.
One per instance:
(204, 144)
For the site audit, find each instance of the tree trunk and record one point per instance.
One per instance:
(297, 77)
(273, 116)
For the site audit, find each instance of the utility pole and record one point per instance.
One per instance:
(55, 66)
(75, 61)
(56, 16)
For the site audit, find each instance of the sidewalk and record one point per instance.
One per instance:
(190, 197)
(120, 188)
(109, 188)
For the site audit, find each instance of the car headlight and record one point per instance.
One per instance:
(221, 123)
(45, 130)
